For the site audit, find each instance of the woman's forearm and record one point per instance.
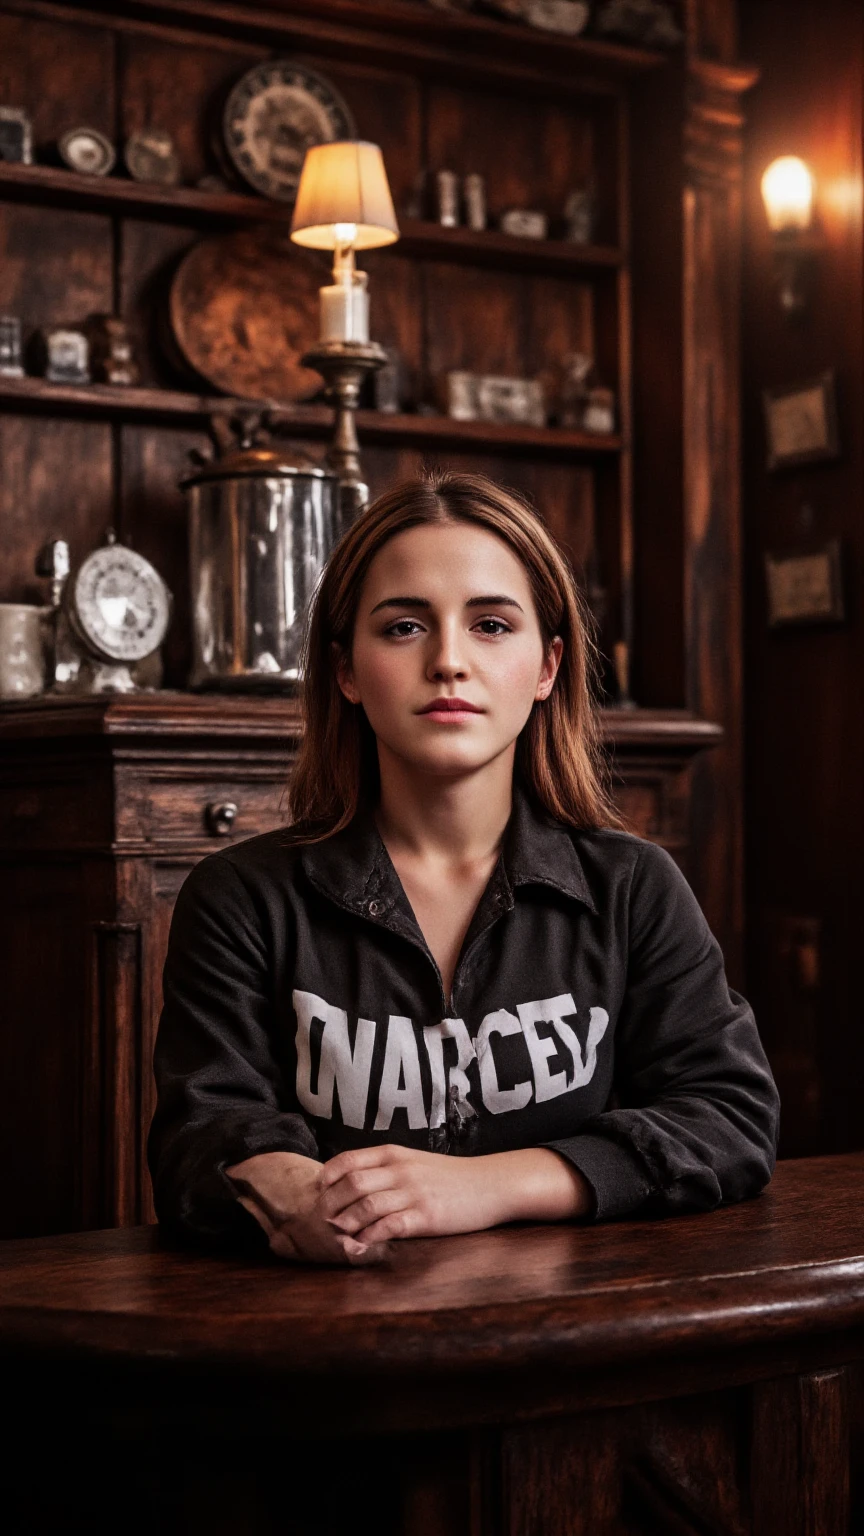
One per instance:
(536, 1184)
(280, 1185)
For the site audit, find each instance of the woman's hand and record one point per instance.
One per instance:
(378, 1193)
(282, 1191)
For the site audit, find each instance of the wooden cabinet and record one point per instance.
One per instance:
(105, 806)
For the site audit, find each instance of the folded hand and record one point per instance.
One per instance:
(378, 1193)
(281, 1190)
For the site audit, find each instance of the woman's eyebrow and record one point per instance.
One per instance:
(498, 599)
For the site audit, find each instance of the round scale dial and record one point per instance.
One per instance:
(120, 605)
(273, 114)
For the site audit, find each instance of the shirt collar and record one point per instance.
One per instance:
(353, 867)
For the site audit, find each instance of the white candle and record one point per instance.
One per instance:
(345, 311)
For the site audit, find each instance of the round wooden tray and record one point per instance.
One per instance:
(242, 310)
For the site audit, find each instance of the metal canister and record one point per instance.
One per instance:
(260, 530)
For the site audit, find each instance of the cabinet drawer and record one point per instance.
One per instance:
(176, 808)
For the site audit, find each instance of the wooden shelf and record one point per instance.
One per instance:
(106, 194)
(188, 205)
(490, 248)
(408, 36)
(549, 441)
(108, 402)
(111, 402)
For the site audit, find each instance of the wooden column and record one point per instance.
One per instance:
(712, 463)
(800, 1456)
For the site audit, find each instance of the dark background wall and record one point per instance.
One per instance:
(804, 728)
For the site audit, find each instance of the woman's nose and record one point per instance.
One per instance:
(447, 656)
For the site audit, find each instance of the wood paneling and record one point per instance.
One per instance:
(149, 255)
(54, 271)
(472, 322)
(155, 520)
(805, 726)
(45, 997)
(61, 75)
(57, 483)
(800, 1479)
(563, 1478)
(549, 149)
(397, 311)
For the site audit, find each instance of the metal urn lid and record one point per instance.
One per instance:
(244, 450)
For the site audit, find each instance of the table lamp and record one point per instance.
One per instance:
(344, 205)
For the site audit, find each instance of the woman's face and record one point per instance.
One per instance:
(446, 611)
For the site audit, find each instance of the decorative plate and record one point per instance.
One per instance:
(243, 309)
(274, 113)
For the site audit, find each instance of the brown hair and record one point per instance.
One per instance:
(558, 755)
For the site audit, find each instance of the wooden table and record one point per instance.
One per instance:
(691, 1375)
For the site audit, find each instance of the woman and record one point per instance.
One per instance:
(454, 993)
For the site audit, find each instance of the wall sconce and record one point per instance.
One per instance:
(787, 192)
(344, 204)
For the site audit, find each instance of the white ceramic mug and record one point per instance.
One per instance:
(22, 650)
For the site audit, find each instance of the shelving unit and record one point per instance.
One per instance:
(452, 298)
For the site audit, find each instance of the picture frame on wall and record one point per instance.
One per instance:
(805, 586)
(801, 423)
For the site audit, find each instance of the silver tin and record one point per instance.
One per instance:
(260, 532)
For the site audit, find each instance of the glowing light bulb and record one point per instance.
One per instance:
(787, 192)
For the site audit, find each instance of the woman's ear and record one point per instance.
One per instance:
(551, 663)
(344, 674)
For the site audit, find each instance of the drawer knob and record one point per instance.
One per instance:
(220, 818)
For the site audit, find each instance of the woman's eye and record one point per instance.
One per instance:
(399, 626)
(405, 627)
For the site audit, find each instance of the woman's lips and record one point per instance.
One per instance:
(455, 710)
(450, 716)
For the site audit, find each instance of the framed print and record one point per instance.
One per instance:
(801, 423)
(805, 587)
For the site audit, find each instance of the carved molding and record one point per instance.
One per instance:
(713, 131)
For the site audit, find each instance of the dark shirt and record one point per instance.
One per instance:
(590, 1013)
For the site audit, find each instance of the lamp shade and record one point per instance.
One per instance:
(787, 192)
(344, 184)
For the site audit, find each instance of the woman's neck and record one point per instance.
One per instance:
(444, 820)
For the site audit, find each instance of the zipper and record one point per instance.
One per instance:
(458, 1132)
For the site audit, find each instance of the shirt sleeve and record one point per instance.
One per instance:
(220, 1093)
(697, 1110)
